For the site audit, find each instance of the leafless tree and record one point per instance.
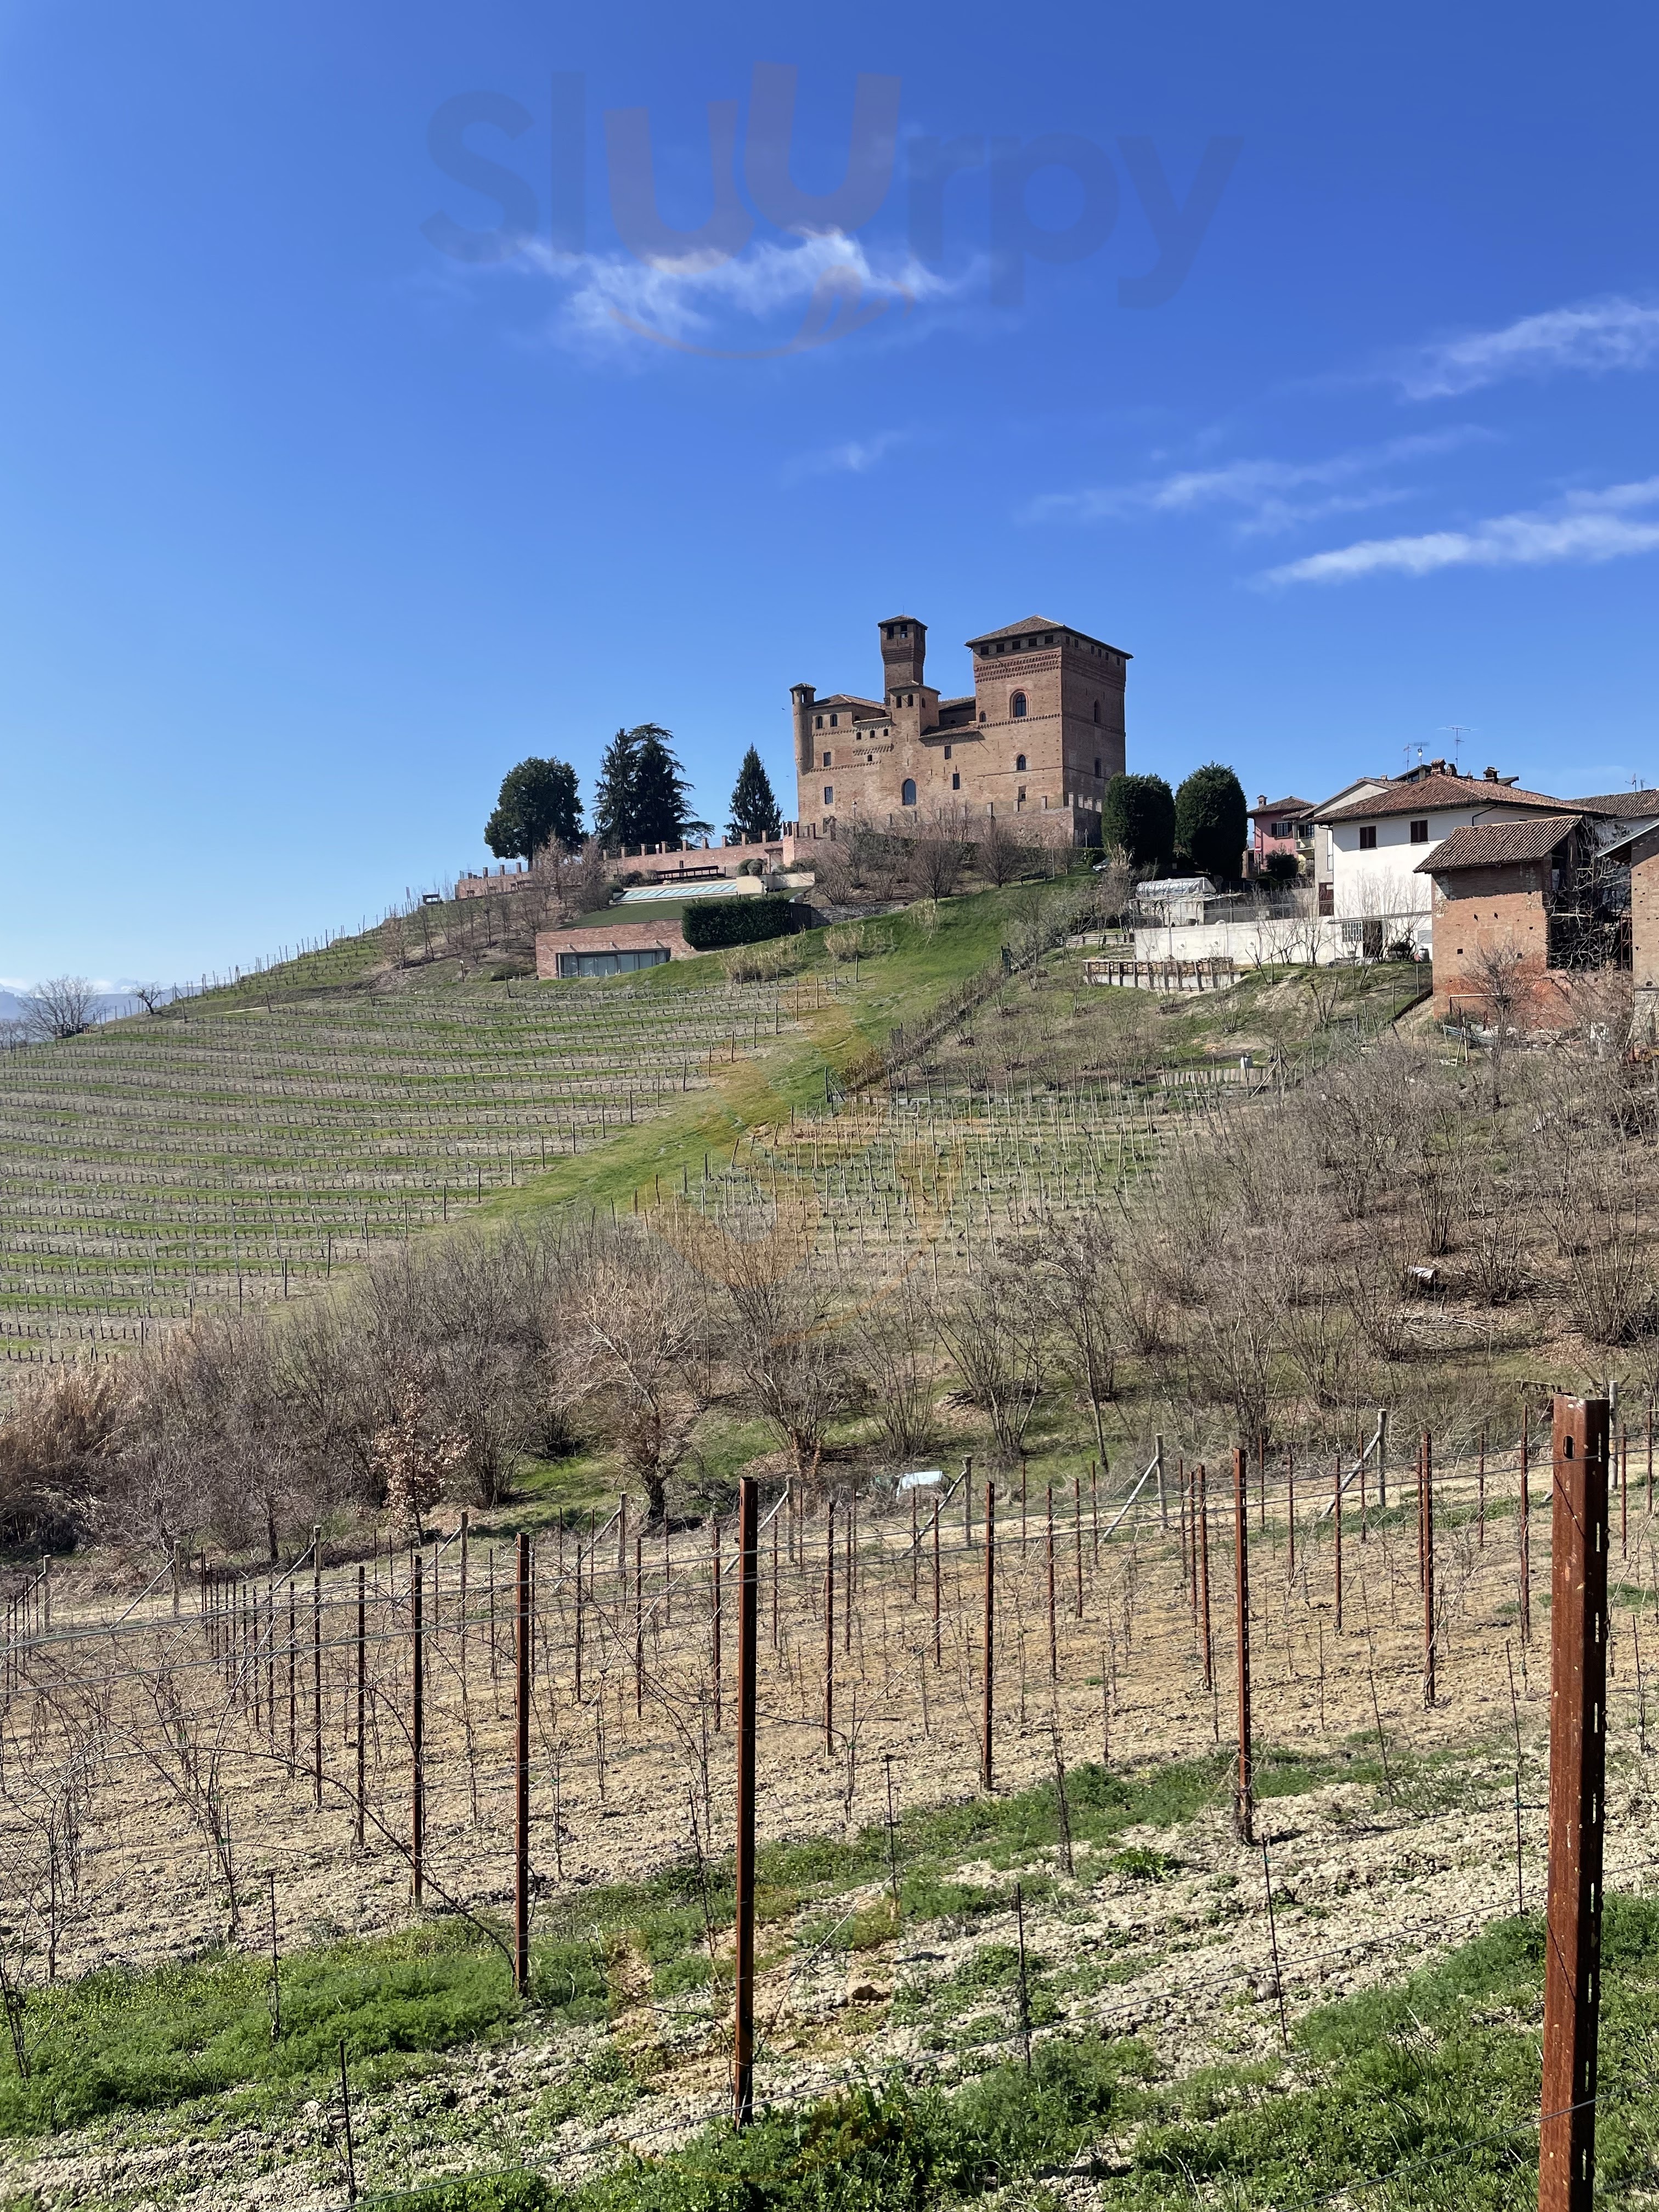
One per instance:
(63, 1006)
(998, 856)
(1497, 973)
(890, 1345)
(636, 1356)
(786, 1348)
(1081, 1265)
(994, 1328)
(152, 997)
(937, 859)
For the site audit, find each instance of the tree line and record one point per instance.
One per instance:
(640, 797)
(1200, 827)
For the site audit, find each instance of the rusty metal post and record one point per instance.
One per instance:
(1524, 1525)
(1428, 1567)
(417, 1732)
(521, 1771)
(743, 2082)
(317, 1667)
(362, 1687)
(1336, 1532)
(830, 1632)
(990, 1629)
(938, 1659)
(1578, 1642)
(1244, 1794)
(1202, 1483)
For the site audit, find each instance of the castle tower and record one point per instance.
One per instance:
(801, 697)
(903, 650)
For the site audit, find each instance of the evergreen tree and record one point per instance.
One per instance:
(755, 816)
(1138, 816)
(661, 792)
(617, 792)
(1212, 823)
(538, 805)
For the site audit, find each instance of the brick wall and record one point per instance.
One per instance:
(1477, 911)
(609, 937)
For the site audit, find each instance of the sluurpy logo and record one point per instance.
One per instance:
(686, 288)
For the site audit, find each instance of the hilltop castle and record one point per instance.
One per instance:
(1039, 738)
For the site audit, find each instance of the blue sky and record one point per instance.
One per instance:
(313, 528)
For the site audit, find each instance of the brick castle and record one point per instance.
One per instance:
(1037, 740)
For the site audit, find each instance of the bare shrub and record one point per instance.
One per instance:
(1081, 1263)
(783, 1339)
(55, 1445)
(764, 962)
(891, 1345)
(993, 1328)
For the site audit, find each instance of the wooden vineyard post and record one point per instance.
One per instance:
(639, 1615)
(1077, 1517)
(937, 1660)
(830, 1632)
(417, 1732)
(466, 1531)
(1244, 1794)
(1336, 1534)
(1480, 1494)
(317, 1667)
(521, 1770)
(1290, 1510)
(985, 1712)
(1428, 1567)
(579, 1616)
(362, 1655)
(916, 1562)
(743, 2081)
(1202, 1506)
(1524, 1526)
(1054, 1645)
(1572, 1975)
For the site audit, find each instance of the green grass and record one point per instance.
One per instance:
(1421, 2098)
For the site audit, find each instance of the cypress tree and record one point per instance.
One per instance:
(755, 816)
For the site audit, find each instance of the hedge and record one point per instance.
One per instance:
(712, 924)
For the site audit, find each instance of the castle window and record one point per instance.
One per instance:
(1049, 639)
(820, 722)
(826, 760)
(1020, 763)
(1096, 763)
(947, 752)
(835, 721)
(1017, 705)
(1019, 796)
(829, 794)
(1096, 710)
(956, 781)
(907, 792)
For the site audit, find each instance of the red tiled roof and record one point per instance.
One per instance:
(1622, 806)
(1431, 793)
(1499, 844)
(1288, 807)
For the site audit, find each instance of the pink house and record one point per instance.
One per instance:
(1281, 826)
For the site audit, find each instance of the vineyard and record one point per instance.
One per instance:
(263, 1759)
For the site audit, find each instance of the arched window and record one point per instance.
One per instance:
(1020, 763)
(907, 792)
(1017, 705)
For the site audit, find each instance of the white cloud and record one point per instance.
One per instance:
(854, 457)
(607, 298)
(1602, 335)
(1587, 526)
(1263, 490)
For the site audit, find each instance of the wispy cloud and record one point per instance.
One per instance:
(713, 302)
(1586, 526)
(854, 457)
(1591, 339)
(1267, 496)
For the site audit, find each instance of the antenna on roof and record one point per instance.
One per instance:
(1457, 732)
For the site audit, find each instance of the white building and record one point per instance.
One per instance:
(1373, 837)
